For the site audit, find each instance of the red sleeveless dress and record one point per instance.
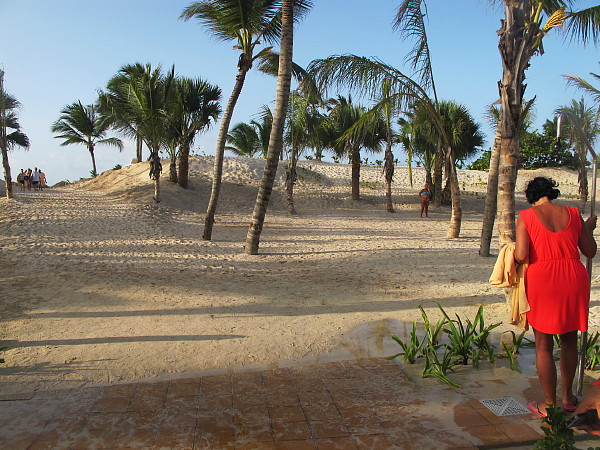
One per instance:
(556, 283)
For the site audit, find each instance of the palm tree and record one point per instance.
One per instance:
(118, 88)
(279, 115)
(243, 140)
(249, 23)
(140, 103)
(79, 124)
(16, 138)
(585, 86)
(521, 37)
(194, 104)
(587, 121)
(348, 134)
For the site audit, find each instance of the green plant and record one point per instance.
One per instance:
(93, 174)
(3, 349)
(482, 342)
(439, 368)
(558, 435)
(432, 333)
(464, 337)
(117, 167)
(592, 352)
(510, 354)
(518, 342)
(412, 349)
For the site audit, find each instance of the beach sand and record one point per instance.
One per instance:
(100, 284)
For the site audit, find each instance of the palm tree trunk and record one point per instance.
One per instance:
(138, 148)
(437, 175)
(491, 198)
(516, 46)
(209, 219)
(91, 149)
(290, 179)
(583, 181)
(456, 218)
(184, 163)
(155, 171)
(5, 163)
(355, 161)
(389, 175)
(173, 168)
(409, 164)
(276, 138)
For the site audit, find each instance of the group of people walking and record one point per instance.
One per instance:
(32, 178)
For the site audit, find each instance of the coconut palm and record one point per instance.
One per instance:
(243, 140)
(194, 104)
(141, 104)
(118, 89)
(582, 127)
(8, 140)
(279, 115)
(585, 86)
(249, 23)
(523, 29)
(79, 124)
(348, 135)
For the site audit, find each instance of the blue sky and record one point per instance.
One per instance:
(57, 52)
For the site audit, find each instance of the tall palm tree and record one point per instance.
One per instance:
(348, 135)
(249, 23)
(141, 103)
(194, 104)
(8, 140)
(523, 29)
(79, 124)
(279, 115)
(587, 121)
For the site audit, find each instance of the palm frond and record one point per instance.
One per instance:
(584, 25)
(585, 86)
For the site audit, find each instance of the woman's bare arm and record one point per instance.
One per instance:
(522, 244)
(587, 243)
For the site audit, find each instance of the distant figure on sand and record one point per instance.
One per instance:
(425, 195)
(27, 179)
(21, 180)
(42, 180)
(35, 179)
(549, 238)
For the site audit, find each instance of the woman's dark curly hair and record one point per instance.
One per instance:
(541, 187)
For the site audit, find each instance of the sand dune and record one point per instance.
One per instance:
(99, 284)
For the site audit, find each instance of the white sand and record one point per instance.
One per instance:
(99, 284)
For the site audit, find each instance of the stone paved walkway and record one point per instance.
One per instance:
(362, 404)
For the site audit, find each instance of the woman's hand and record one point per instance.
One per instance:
(590, 223)
(590, 401)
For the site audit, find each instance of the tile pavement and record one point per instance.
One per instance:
(357, 404)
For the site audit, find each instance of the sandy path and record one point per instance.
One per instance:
(98, 290)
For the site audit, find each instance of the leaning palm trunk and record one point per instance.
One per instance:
(209, 219)
(583, 183)
(437, 175)
(456, 217)
(409, 164)
(388, 170)
(184, 165)
(491, 199)
(355, 161)
(276, 138)
(290, 179)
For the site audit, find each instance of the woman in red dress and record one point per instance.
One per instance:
(549, 238)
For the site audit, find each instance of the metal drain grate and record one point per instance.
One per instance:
(505, 406)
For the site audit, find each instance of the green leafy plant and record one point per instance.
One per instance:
(557, 435)
(511, 355)
(2, 350)
(592, 352)
(432, 333)
(518, 341)
(482, 342)
(117, 167)
(411, 349)
(439, 368)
